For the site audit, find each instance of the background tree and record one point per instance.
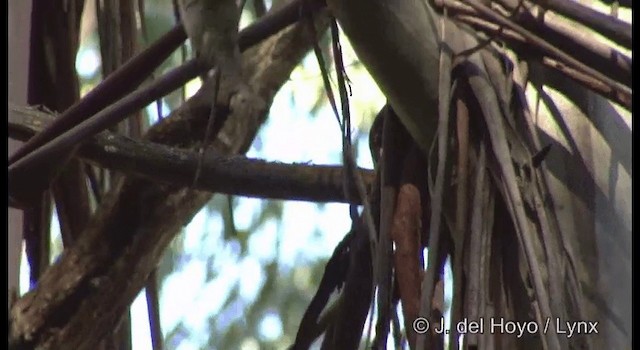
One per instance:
(522, 134)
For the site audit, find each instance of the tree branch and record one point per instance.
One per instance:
(70, 129)
(82, 297)
(133, 73)
(577, 40)
(230, 175)
(609, 26)
(586, 80)
(547, 48)
(558, 31)
(116, 85)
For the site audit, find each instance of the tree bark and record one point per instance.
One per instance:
(237, 176)
(82, 298)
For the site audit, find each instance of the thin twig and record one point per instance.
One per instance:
(557, 31)
(350, 177)
(153, 309)
(107, 91)
(468, 15)
(116, 85)
(325, 75)
(183, 47)
(545, 46)
(388, 193)
(209, 128)
(348, 155)
(620, 97)
(94, 184)
(609, 26)
(104, 119)
(444, 91)
(473, 291)
(573, 38)
(462, 119)
(143, 21)
(344, 102)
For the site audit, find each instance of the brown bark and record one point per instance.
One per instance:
(82, 298)
(230, 175)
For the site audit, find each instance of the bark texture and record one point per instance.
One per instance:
(81, 298)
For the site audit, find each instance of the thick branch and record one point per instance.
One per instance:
(230, 175)
(126, 79)
(131, 74)
(68, 131)
(82, 297)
